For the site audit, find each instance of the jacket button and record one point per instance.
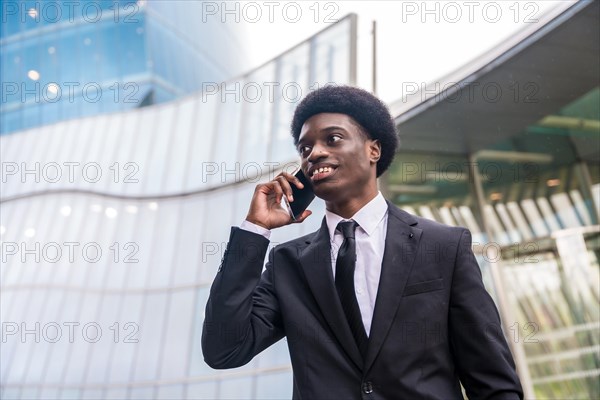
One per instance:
(367, 387)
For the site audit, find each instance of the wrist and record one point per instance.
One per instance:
(249, 218)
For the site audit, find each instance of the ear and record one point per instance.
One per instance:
(374, 150)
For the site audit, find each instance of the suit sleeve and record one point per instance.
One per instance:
(242, 313)
(483, 359)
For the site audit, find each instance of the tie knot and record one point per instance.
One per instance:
(347, 228)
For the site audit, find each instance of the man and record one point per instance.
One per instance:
(377, 304)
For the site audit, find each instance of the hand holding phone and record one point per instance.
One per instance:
(302, 197)
(266, 209)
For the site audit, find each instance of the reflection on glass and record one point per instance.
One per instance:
(179, 241)
(104, 46)
(552, 272)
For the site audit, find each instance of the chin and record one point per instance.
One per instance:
(329, 192)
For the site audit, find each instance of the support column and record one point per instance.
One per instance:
(503, 303)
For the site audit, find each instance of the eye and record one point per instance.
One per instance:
(334, 138)
(303, 149)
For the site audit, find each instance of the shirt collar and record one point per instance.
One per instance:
(368, 217)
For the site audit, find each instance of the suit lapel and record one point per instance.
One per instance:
(316, 263)
(401, 244)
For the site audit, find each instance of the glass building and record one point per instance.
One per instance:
(511, 150)
(145, 198)
(113, 226)
(70, 59)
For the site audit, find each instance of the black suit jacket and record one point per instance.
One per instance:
(433, 324)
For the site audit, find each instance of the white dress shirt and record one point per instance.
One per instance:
(370, 244)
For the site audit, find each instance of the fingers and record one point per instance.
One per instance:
(291, 178)
(266, 209)
(280, 186)
(284, 179)
(278, 189)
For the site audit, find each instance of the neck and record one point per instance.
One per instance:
(346, 208)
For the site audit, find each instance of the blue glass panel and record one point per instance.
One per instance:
(90, 100)
(132, 47)
(70, 109)
(159, 49)
(31, 15)
(10, 17)
(51, 12)
(86, 46)
(31, 115)
(10, 121)
(68, 51)
(30, 60)
(50, 58)
(12, 73)
(50, 113)
(107, 47)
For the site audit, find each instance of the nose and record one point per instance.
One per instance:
(316, 153)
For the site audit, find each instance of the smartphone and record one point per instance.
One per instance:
(302, 197)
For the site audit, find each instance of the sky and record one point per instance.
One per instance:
(418, 41)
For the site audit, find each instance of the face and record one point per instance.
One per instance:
(337, 157)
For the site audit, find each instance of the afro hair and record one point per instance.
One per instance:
(366, 109)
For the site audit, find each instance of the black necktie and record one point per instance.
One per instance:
(344, 283)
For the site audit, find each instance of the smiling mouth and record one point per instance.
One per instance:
(322, 173)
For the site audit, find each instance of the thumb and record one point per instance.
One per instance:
(305, 214)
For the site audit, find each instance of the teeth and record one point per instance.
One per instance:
(321, 170)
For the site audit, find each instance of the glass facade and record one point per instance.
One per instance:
(70, 59)
(547, 228)
(523, 174)
(538, 222)
(112, 237)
